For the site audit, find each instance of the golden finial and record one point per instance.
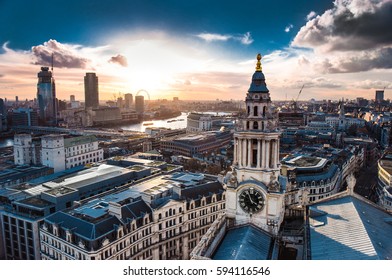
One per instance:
(258, 65)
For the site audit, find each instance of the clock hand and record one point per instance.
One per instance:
(250, 198)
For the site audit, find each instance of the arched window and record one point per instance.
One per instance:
(248, 110)
(255, 111)
(264, 110)
(255, 125)
(247, 125)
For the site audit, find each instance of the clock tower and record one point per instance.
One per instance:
(254, 194)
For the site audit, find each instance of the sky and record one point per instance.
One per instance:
(198, 49)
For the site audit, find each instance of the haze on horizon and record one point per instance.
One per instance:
(198, 50)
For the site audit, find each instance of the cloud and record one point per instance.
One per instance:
(311, 15)
(358, 62)
(187, 83)
(119, 59)
(353, 36)
(288, 28)
(349, 25)
(303, 61)
(1, 75)
(64, 55)
(316, 82)
(209, 37)
(373, 84)
(245, 39)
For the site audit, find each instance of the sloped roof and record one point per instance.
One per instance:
(244, 243)
(349, 228)
(84, 228)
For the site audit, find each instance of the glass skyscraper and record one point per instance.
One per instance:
(46, 95)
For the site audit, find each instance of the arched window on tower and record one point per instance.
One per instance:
(248, 110)
(255, 111)
(255, 125)
(247, 125)
(264, 110)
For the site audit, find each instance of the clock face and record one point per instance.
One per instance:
(251, 200)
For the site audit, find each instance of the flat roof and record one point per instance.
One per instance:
(35, 201)
(79, 140)
(154, 186)
(303, 161)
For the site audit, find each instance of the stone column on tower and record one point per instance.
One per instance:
(258, 153)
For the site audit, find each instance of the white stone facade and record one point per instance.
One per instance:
(56, 151)
(198, 122)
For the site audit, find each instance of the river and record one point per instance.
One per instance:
(173, 123)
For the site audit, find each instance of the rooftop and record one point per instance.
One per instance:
(304, 161)
(349, 228)
(79, 140)
(35, 201)
(158, 186)
(244, 243)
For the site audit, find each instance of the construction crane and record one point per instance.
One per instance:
(294, 104)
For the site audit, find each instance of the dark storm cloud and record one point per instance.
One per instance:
(119, 59)
(350, 25)
(64, 56)
(379, 59)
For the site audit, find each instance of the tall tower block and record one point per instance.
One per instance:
(254, 194)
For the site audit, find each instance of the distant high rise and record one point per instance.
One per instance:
(72, 98)
(128, 100)
(379, 95)
(16, 100)
(24, 117)
(139, 104)
(2, 107)
(46, 95)
(120, 103)
(91, 95)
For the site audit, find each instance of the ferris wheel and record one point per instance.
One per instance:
(140, 92)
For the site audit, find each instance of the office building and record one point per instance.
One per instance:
(198, 122)
(56, 151)
(379, 96)
(161, 218)
(128, 100)
(46, 96)
(196, 143)
(139, 104)
(120, 102)
(23, 208)
(3, 116)
(25, 117)
(91, 95)
(384, 187)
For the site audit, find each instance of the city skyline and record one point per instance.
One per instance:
(336, 49)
